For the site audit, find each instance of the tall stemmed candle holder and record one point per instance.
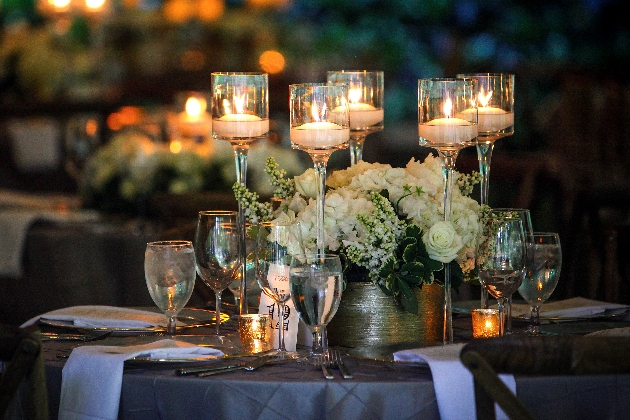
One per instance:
(365, 97)
(444, 126)
(494, 100)
(319, 126)
(240, 115)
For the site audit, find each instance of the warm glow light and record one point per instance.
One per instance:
(354, 95)
(448, 107)
(315, 113)
(483, 97)
(269, 3)
(210, 10)
(179, 11)
(539, 285)
(60, 4)
(272, 62)
(175, 146)
(195, 107)
(94, 4)
(91, 127)
(239, 103)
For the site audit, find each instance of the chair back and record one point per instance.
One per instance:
(22, 361)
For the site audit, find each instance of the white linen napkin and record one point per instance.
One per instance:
(14, 225)
(102, 316)
(577, 307)
(91, 379)
(453, 383)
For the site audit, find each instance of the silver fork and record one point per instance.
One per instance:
(335, 360)
(321, 362)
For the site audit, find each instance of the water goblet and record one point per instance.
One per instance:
(316, 285)
(217, 259)
(544, 261)
(501, 259)
(365, 96)
(240, 115)
(319, 125)
(276, 243)
(169, 270)
(445, 124)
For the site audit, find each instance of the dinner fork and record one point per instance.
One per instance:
(321, 362)
(335, 361)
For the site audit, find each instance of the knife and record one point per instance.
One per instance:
(211, 370)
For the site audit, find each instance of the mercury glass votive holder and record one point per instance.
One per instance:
(485, 323)
(255, 332)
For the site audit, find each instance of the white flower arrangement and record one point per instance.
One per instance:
(386, 221)
(131, 167)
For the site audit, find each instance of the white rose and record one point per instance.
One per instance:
(306, 184)
(442, 242)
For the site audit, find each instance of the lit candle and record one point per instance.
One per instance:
(319, 134)
(362, 115)
(194, 121)
(239, 124)
(447, 129)
(490, 118)
(255, 332)
(485, 323)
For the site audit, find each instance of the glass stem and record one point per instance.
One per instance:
(501, 302)
(484, 155)
(319, 162)
(320, 344)
(281, 309)
(218, 311)
(171, 325)
(356, 149)
(508, 315)
(534, 319)
(240, 160)
(448, 164)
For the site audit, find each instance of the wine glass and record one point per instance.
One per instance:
(365, 96)
(319, 125)
(276, 243)
(217, 253)
(316, 284)
(240, 115)
(500, 259)
(544, 261)
(447, 124)
(169, 270)
(525, 216)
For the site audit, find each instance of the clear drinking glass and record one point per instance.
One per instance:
(500, 259)
(276, 243)
(169, 270)
(316, 286)
(447, 122)
(544, 261)
(319, 125)
(366, 105)
(217, 259)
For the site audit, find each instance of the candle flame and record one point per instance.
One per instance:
(539, 285)
(354, 95)
(448, 107)
(237, 106)
(484, 98)
(195, 107)
(316, 113)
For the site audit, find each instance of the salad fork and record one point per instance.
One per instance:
(335, 361)
(322, 362)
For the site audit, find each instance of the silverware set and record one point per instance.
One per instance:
(332, 359)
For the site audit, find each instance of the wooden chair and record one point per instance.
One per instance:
(21, 355)
(536, 355)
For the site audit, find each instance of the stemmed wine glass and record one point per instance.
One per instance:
(365, 96)
(525, 216)
(494, 97)
(240, 115)
(319, 125)
(316, 286)
(500, 259)
(276, 243)
(447, 124)
(169, 270)
(544, 261)
(217, 253)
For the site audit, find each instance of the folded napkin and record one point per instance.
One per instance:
(91, 379)
(14, 225)
(453, 383)
(101, 316)
(576, 307)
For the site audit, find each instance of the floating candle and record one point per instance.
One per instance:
(447, 130)
(491, 118)
(319, 134)
(240, 126)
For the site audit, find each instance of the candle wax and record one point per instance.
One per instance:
(362, 115)
(492, 119)
(447, 131)
(240, 125)
(320, 134)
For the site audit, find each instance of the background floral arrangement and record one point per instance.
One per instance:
(124, 173)
(387, 222)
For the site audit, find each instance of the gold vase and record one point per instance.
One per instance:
(369, 319)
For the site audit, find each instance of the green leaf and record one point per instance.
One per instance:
(410, 251)
(407, 297)
(412, 273)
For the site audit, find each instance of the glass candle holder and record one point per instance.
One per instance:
(485, 323)
(191, 119)
(255, 332)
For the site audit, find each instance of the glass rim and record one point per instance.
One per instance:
(316, 85)
(238, 73)
(218, 212)
(356, 71)
(169, 243)
(464, 75)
